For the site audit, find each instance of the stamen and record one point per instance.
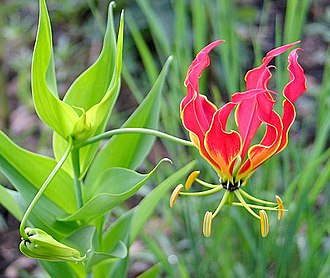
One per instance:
(252, 198)
(264, 224)
(175, 195)
(207, 224)
(257, 207)
(244, 204)
(222, 203)
(202, 193)
(206, 184)
(191, 178)
(280, 207)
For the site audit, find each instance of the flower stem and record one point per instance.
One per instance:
(42, 189)
(147, 131)
(76, 176)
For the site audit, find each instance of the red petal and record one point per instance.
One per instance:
(196, 116)
(196, 111)
(246, 116)
(224, 147)
(195, 70)
(294, 89)
(258, 154)
(259, 77)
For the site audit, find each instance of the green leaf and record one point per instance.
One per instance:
(58, 115)
(149, 203)
(82, 239)
(118, 231)
(27, 172)
(131, 223)
(65, 269)
(134, 222)
(129, 150)
(152, 272)
(115, 186)
(119, 252)
(95, 92)
(8, 202)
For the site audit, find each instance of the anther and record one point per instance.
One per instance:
(280, 207)
(175, 195)
(264, 224)
(207, 224)
(191, 178)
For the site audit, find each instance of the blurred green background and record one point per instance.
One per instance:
(299, 245)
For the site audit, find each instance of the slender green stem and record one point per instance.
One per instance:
(42, 189)
(147, 131)
(202, 193)
(76, 176)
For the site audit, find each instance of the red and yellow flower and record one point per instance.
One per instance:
(232, 153)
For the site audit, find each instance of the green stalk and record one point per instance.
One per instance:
(76, 176)
(108, 134)
(42, 190)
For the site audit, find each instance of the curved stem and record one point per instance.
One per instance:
(76, 176)
(42, 189)
(146, 131)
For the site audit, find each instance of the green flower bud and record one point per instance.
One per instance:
(42, 246)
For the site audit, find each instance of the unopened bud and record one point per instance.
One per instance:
(42, 246)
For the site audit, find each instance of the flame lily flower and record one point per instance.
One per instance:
(231, 152)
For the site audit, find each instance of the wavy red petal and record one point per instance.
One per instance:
(247, 119)
(259, 77)
(292, 91)
(195, 70)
